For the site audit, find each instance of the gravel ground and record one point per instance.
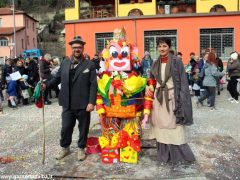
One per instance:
(214, 139)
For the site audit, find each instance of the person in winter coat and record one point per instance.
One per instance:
(20, 67)
(45, 74)
(7, 70)
(211, 74)
(220, 68)
(24, 86)
(56, 66)
(233, 68)
(32, 71)
(96, 61)
(172, 107)
(12, 93)
(146, 64)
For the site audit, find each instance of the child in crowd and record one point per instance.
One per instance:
(12, 92)
(24, 86)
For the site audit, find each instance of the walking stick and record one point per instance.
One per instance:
(44, 134)
(43, 116)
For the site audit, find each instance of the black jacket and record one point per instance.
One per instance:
(7, 70)
(96, 62)
(32, 70)
(45, 71)
(21, 70)
(84, 85)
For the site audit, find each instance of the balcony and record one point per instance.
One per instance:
(89, 9)
(176, 6)
(97, 11)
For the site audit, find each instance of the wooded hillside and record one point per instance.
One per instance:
(35, 5)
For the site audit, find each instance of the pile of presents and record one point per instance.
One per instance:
(121, 146)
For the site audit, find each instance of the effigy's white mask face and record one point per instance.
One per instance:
(119, 57)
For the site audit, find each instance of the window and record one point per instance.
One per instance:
(22, 44)
(3, 41)
(27, 23)
(28, 40)
(151, 38)
(69, 3)
(101, 40)
(219, 39)
(133, 1)
(2, 61)
(0, 22)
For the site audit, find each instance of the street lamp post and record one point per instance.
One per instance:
(14, 29)
(11, 45)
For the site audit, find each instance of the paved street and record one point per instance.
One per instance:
(214, 138)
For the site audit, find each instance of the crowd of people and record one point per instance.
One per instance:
(205, 75)
(19, 91)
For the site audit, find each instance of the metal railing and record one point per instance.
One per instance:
(101, 11)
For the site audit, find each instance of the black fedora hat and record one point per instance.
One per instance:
(77, 40)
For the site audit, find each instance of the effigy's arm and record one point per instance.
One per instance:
(148, 100)
(100, 105)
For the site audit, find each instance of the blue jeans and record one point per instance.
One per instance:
(210, 93)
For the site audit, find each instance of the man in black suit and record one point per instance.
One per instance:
(77, 96)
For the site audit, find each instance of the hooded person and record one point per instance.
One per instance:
(146, 64)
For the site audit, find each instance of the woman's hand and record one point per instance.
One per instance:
(149, 91)
(145, 120)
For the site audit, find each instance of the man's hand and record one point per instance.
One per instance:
(43, 86)
(90, 107)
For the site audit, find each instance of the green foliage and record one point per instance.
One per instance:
(52, 3)
(38, 5)
(4, 3)
(59, 17)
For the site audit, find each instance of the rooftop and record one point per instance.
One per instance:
(9, 30)
(8, 11)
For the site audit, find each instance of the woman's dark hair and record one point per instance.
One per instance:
(172, 52)
(179, 53)
(192, 53)
(164, 40)
(212, 58)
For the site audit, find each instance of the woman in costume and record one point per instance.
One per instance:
(172, 107)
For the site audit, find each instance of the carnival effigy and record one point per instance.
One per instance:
(121, 101)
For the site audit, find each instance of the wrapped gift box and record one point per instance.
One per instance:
(110, 155)
(128, 155)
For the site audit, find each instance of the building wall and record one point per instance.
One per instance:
(4, 50)
(20, 35)
(188, 35)
(72, 13)
(7, 20)
(30, 31)
(204, 6)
